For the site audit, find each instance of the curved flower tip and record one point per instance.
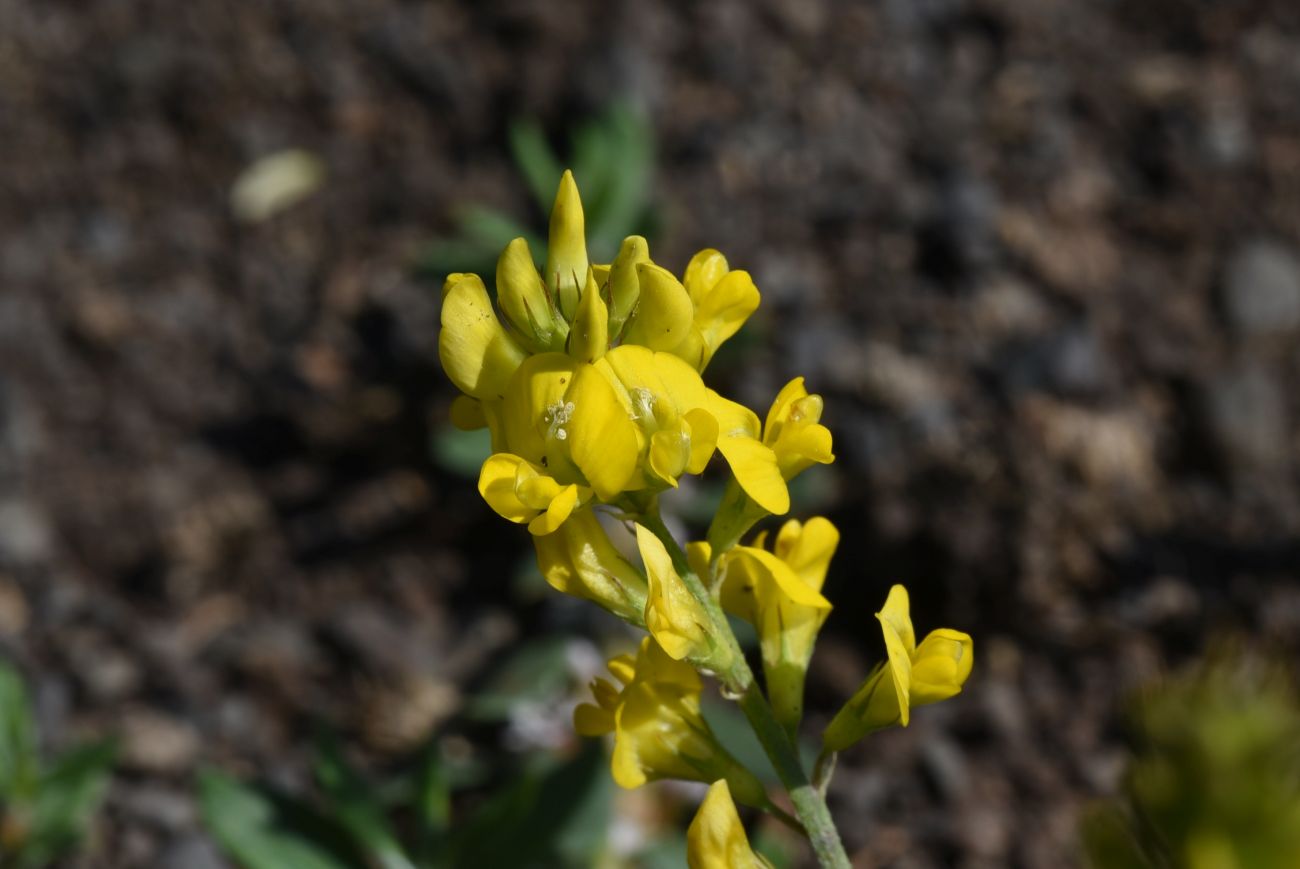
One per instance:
(521, 492)
(914, 675)
(716, 838)
(566, 252)
(475, 350)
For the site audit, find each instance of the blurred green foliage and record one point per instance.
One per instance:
(1215, 780)
(612, 155)
(44, 807)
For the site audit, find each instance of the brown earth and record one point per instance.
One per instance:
(1041, 259)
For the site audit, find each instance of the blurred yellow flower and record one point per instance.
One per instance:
(716, 838)
(658, 730)
(913, 675)
(779, 592)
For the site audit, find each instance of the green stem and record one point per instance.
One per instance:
(738, 681)
(808, 802)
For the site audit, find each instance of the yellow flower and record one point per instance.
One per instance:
(793, 438)
(913, 675)
(580, 560)
(658, 730)
(521, 492)
(779, 593)
(794, 432)
(722, 301)
(716, 838)
(679, 623)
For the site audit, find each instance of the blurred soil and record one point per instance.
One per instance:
(1041, 258)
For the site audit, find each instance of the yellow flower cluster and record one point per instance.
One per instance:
(588, 378)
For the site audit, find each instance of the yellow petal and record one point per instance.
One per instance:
(625, 764)
(624, 284)
(897, 614)
(589, 337)
(661, 374)
(896, 625)
(808, 548)
(723, 310)
(670, 451)
(716, 838)
(603, 441)
(623, 668)
(533, 397)
(755, 468)
(477, 353)
(672, 615)
(556, 512)
(524, 299)
(467, 413)
(496, 483)
(589, 720)
(779, 412)
(704, 439)
(664, 312)
(941, 665)
(703, 272)
(566, 254)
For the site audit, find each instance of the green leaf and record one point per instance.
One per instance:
(432, 804)
(461, 452)
(67, 796)
(261, 829)
(626, 147)
(356, 807)
(536, 161)
(18, 760)
(555, 816)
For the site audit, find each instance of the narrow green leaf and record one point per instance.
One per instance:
(67, 796)
(263, 830)
(356, 807)
(557, 816)
(432, 805)
(19, 766)
(536, 161)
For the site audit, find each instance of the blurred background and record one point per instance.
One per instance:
(1041, 258)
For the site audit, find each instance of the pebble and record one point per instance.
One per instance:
(157, 743)
(1261, 287)
(192, 851)
(1246, 413)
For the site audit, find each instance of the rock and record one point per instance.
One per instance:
(1261, 289)
(157, 743)
(192, 852)
(1246, 413)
